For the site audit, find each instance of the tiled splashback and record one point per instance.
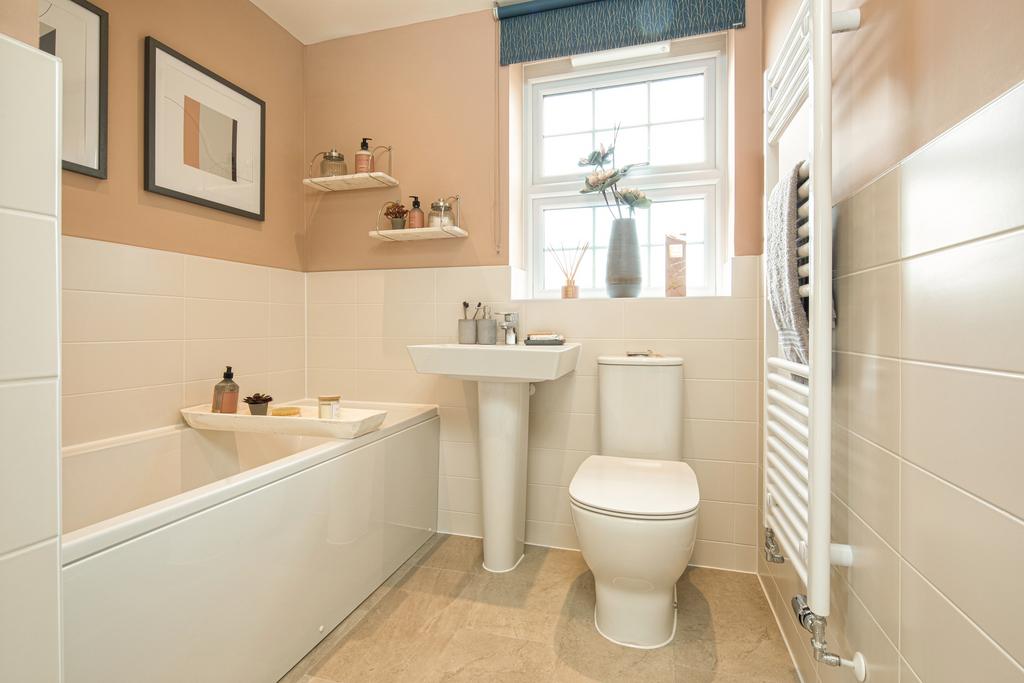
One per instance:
(360, 323)
(928, 393)
(146, 332)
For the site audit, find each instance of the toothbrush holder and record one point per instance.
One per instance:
(487, 331)
(467, 331)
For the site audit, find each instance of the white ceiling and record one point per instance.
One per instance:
(312, 21)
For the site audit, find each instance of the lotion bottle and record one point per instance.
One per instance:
(364, 157)
(225, 394)
(416, 213)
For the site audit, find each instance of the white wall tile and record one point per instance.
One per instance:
(29, 622)
(216, 319)
(978, 163)
(867, 231)
(88, 417)
(867, 479)
(459, 460)
(286, 353)
(91, 265)
(287, 320)
(458, 494)
(207, 358)
(287, 286)
(207, 278)
(106, 366)
(28, 469)
(965, 427)
(576, 319)
(979, 282)
(866, 397)
(332, 353)
(483, 283)
(337, 287)
(874, 575)
(332, 320)
(868, 312)
(941, 643)
(28, 294)
(288, 385)
(28, 133)
(961, 545)
(103, 317)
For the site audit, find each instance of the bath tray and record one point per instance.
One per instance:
(352, 422)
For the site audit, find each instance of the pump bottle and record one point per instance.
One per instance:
(364, 157)
(416, 214)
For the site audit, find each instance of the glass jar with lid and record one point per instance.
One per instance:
(332, 163)
(441, 214)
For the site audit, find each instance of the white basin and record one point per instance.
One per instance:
(478, 363)
(504, 374)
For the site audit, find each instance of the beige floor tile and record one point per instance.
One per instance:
(443, 618)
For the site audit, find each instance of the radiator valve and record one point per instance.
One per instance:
(816, 625)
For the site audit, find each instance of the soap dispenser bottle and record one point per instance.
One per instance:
(416, 214)
(225, 394)
(364, 157)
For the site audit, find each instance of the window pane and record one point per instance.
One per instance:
(684, 218)
(677, 143)
(600, 267)
(565, 228)
(562, 154)
(694, 266)
(569, 113)
(676, 99)
(630, 145)
(623, 106)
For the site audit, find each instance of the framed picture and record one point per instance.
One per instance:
(76, 31)
(204, 135)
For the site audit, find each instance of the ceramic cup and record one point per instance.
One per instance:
(467, 331)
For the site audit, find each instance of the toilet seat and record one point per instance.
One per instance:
(635, 488)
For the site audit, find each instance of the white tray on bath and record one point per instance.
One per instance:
(351, 423)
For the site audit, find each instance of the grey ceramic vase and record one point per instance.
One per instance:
(623, 277)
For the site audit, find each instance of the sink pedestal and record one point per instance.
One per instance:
(503, 375)
(504, 426)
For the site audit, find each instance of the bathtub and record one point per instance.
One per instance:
(214, 556)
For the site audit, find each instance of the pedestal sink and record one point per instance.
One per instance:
(504, 374)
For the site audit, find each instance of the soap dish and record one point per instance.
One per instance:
(544, 340)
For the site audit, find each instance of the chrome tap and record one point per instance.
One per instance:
(510, 323)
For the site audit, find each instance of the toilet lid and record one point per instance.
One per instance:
(635, 486)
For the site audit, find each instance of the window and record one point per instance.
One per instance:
(668, 118)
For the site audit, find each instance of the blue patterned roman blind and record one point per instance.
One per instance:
(581, 26)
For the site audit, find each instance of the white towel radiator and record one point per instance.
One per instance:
(798, 398)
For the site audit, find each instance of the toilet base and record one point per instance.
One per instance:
(642, 622)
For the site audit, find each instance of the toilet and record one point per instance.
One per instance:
(635, 506)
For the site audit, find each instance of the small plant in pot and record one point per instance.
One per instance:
(397, 212)
(258, 403)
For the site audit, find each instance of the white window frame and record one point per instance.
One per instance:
(707, 179)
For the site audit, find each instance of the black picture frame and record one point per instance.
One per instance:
(101, 139)
(149, 173)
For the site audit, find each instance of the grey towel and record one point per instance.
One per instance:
(781, 264)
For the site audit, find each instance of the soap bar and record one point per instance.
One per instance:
(288, 411)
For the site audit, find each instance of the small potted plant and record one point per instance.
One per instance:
(258, 403)
(397, 212)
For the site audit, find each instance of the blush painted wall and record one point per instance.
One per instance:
(913, 70)
(430, 90)
(435, 92)
(18, 20)
(237, 41)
